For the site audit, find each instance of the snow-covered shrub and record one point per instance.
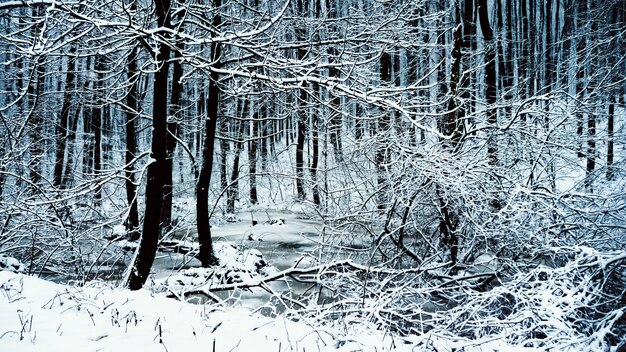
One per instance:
(579, 305)
(11, 264)
(236, 266)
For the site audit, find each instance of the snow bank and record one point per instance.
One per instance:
(42, 316)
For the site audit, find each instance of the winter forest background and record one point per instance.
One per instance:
(462, 161)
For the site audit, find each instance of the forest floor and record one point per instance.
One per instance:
(40, 315)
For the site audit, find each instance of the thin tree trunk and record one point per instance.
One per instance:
(490, 80)
(233, 190)
(335, 120)
(316, 156)
(223, 155)
(97, 113)
(301, 126)
(454, 114)
(172, 133)
(132, 222)
(87, 127)
(35, 120)
(610, 172)
(71, 142)
(301, 118)
(252, 152)
(206, 255)
(61, 131)
(591, 151)
(383, 130)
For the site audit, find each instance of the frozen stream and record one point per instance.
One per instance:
(283, 244)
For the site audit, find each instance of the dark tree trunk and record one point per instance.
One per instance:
(35, 120)
(206, 255)
(301, 118)
(449, 217)
(383, 129)
(172, 134)
(469, 43)
(490, 80)
(454, 115)
(96, 127)
(300, 149)
(591, 151)
(233, 190)
(132, 113)
(61, 130)
(87, 128)
(252, 156)
(263, 143)
(610, 172)
(71, 141)
(335, 120)
(580, 75)
(223, 155)
(358, 123)
(316, 156)
(154, 185)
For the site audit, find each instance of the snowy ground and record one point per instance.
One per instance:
(43, 316)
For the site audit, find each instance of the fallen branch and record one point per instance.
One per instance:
(298, 275)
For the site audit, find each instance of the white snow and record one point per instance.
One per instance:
(12, 264)
(42, 316)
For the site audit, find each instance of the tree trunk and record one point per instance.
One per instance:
(61, 130)
(316, 156)
(96, 127)
(610, 172)
(87, 137)
(252, 152)
(591, 151)
(301, 114)
(454, 114)
(132, 222)
(71, 141)
(172, 133)
(233, 190)
(154, 185)
(335, 120)
(223, 155)
(35, 120)
(206, 255)
(383, 129)
(300, 148)
(490, 81)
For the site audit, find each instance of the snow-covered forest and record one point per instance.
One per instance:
(301, 175)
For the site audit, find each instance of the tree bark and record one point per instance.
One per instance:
(383, 128)
(252, 156)
(490, 80)
(206, 255)
(610, 154)
(316, 156)
(172, 133)
(591, 151)
(223, 141)
(233, 188)
(154, 185)
(61, 130)
(301, 118)
(132, 113)
(96, 124)
(35, 120)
